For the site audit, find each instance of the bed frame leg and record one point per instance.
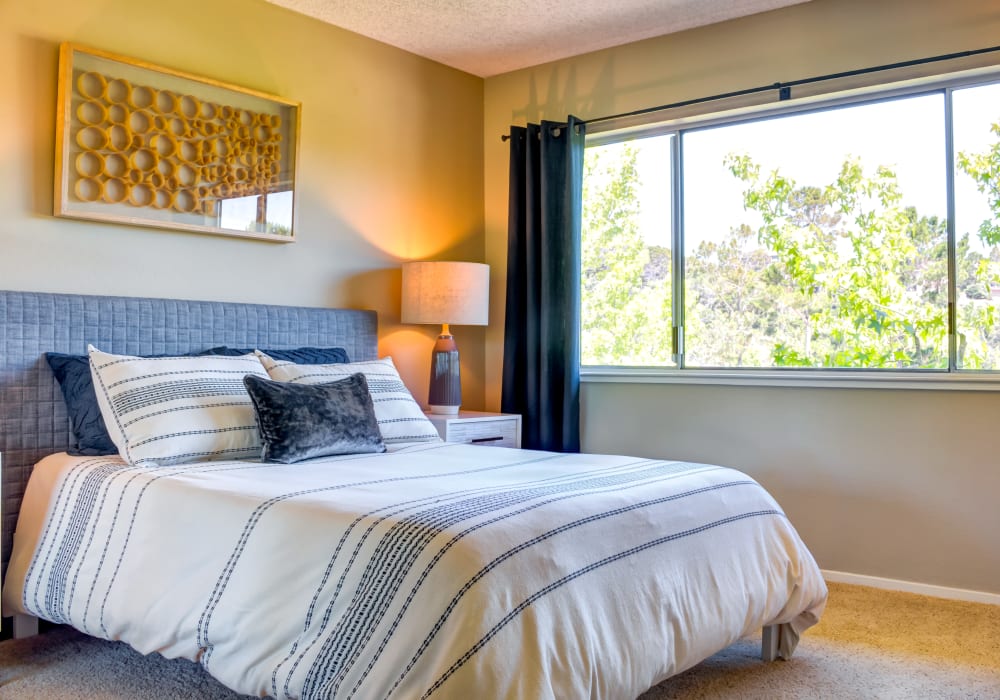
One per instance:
(769, 643)
(25, 626)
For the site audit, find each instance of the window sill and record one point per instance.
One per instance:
(833, 379)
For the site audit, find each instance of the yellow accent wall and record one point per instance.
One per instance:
(897, 484)
(390, 166)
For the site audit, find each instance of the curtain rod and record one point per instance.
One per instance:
(785, 89)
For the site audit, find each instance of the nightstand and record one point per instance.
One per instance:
(477, 428)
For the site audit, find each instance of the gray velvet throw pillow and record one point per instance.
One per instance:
(301, 421)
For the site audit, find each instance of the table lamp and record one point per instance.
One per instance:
(449, 293)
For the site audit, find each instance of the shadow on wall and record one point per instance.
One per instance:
(372, 289)
(563, 96)
(613, 92)
(555, 105)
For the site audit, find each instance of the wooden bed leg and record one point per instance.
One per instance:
(769, 643)
(25, 626)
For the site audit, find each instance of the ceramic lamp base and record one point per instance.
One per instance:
(446, 381)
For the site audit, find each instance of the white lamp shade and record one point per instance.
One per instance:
(456, 293)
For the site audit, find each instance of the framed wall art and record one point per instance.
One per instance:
(150, 146)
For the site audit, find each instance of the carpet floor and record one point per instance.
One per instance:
(869, 644)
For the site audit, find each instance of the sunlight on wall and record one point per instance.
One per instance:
(405, 230)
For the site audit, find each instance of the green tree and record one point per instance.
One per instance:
(979, 337)
(847, 249)
(734, 303)
(984, 169)
(626, 295)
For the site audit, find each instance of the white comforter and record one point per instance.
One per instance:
(437, 570)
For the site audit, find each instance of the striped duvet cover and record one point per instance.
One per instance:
(433, 571)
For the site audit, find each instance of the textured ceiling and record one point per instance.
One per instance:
(488, 37)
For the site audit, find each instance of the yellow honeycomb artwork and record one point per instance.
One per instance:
(155, 148)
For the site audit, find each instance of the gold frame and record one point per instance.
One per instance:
(141, 144)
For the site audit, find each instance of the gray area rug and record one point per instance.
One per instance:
(869, 644)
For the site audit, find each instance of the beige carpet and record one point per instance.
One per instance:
(869, 644)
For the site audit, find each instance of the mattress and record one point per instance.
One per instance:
(435, 570)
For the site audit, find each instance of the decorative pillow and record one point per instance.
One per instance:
(300, 421)
(400, 418)
(92, 439)
(73, 374)
(171, 410)
(302, 356)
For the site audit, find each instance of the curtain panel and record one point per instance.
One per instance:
(541, 369)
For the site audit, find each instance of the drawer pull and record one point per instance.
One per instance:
(486, 439)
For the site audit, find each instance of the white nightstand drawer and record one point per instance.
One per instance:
(498, 433)
(474, 428)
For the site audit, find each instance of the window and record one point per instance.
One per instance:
(818, 239)
(266, 213)
(627, 276)
(977, 225)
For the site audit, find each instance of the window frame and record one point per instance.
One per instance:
(626, 129)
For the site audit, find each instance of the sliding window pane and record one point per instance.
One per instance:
(977, 225)
(626, 275)
(818, 239)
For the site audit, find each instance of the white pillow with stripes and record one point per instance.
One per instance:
(400, 418)
(171, 410)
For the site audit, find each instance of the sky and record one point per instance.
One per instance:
(903, 134)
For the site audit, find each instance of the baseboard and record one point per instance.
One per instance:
(891, 584)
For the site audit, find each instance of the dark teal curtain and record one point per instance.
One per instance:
(541, 364)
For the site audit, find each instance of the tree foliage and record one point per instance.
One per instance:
(626, 294)
(844, 274)
(984, 169)
(840, 253)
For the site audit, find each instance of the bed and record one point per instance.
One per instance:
(430, 570)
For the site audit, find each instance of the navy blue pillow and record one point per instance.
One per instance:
(301, 421)
(73, 374)
(300, 356)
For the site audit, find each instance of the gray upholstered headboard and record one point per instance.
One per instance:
(33, 420)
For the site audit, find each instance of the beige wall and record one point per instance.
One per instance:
(390, 165)
(899, 484)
